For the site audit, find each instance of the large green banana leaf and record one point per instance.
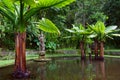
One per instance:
(43, 4)
(47, 26)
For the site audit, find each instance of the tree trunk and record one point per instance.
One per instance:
(82, 50)
(101, 50)
(96, 49)
(20, 56)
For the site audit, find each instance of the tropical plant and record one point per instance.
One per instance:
(83, 35)
(19, 12)
(51, 46)
(101, 33)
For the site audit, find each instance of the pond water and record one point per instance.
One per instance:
(69, 69)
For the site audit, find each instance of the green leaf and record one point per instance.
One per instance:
(47, 26)
(63, 3)
(30, 2)
(43, 4)
(100, 27)
(69, 30)
(110, 28)
(7, 13)
(81, 27)
(117, 35)
(92, 36)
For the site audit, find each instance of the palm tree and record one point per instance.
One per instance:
(19, 12)
(101, 33)
(82, 35)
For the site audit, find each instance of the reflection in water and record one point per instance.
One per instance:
(87, 69)
(69, 69)
(100, 70)
(43, 70)
(102, 67)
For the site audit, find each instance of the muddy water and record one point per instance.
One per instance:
(69, 69)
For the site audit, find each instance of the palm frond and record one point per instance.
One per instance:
(7, 13)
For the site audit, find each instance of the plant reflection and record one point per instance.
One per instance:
(87, 71)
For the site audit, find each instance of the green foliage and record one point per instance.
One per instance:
(98, 16)
(89, 11)
(80, 32)
(111, 9)
(2, 30)
(47, 26)
(32, 35)
(101, 32)
(83, 35)
(51, 46)
(19, 12)
(43, 4)
(39, 5)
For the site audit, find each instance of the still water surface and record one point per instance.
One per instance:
(69, 69)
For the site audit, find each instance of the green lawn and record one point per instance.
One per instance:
(4, 63)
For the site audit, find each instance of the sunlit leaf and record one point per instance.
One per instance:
(69, 30)
(63, 3)
(110, 28)
(117, 35)
(47, 26)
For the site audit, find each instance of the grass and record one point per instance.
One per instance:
(111, 50)
(61, 55)
(8, 62)
(4, 63)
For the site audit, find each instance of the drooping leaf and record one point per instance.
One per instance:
(69, 30)
(6, 12)
(110, 28)
(47, 26)
(92, 36)
(63, 3)
(117, 35)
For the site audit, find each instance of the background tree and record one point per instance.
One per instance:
(111, 9)
(89, 11)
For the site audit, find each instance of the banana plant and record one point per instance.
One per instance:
(83, 35)
(19, 12)
(101, 32)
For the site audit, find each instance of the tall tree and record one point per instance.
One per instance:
(19, 12)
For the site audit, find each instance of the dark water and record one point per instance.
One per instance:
(69, 69)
